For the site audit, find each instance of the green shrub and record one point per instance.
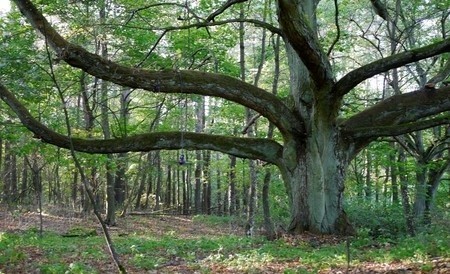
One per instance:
(378, 220)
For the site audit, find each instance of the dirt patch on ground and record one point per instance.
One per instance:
(183, 226)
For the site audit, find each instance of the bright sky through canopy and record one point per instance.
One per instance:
(5, 5)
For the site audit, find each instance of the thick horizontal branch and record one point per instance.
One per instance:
(299, 34)
(353, 78)
(253, 148)
(395, 130)
(393, 115)
(196, 82)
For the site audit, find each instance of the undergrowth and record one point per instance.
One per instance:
(54, 253)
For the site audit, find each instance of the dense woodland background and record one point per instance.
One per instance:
(396, 189)
(397, 185)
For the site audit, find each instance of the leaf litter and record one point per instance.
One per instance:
(186, 228)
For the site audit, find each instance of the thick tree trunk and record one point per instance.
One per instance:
(316, 185)
(315, 163)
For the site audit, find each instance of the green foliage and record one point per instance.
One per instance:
(376, 220)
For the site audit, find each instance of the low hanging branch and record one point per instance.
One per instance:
(253, 148)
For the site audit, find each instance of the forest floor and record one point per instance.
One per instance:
(192, 253)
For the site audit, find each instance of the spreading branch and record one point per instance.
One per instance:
(400, 114)
(223, 8)
(253, 148)
(299, 34)
(395, 130)
(353, 78)
(255, 22)
(167, 81)
(380, 9)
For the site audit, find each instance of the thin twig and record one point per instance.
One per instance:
(80, 169)
(338, 35)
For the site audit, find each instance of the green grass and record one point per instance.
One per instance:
(53, 253)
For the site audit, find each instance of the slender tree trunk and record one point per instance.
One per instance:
(377, 182)
(10, 174)
(74, 190)
(120, 179)
(198, 182)
(434, 179)
(407, 211)
(420, 189)
(368, 188)
(232, 187)
(226, 200)
(14, 180)
(24, 185)
(168, 196)
(219, 189)
(199, 127)
(185, 192)
(6, 173)
(207, 183)
(150, 188)
(174, 201)
(110, 193)
(268, 225)
(394, 183)
(158, 191)
(142, 180)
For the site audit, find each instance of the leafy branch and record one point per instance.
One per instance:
(195, 82)
(353, 78)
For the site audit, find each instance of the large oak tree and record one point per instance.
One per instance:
(317, 144)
